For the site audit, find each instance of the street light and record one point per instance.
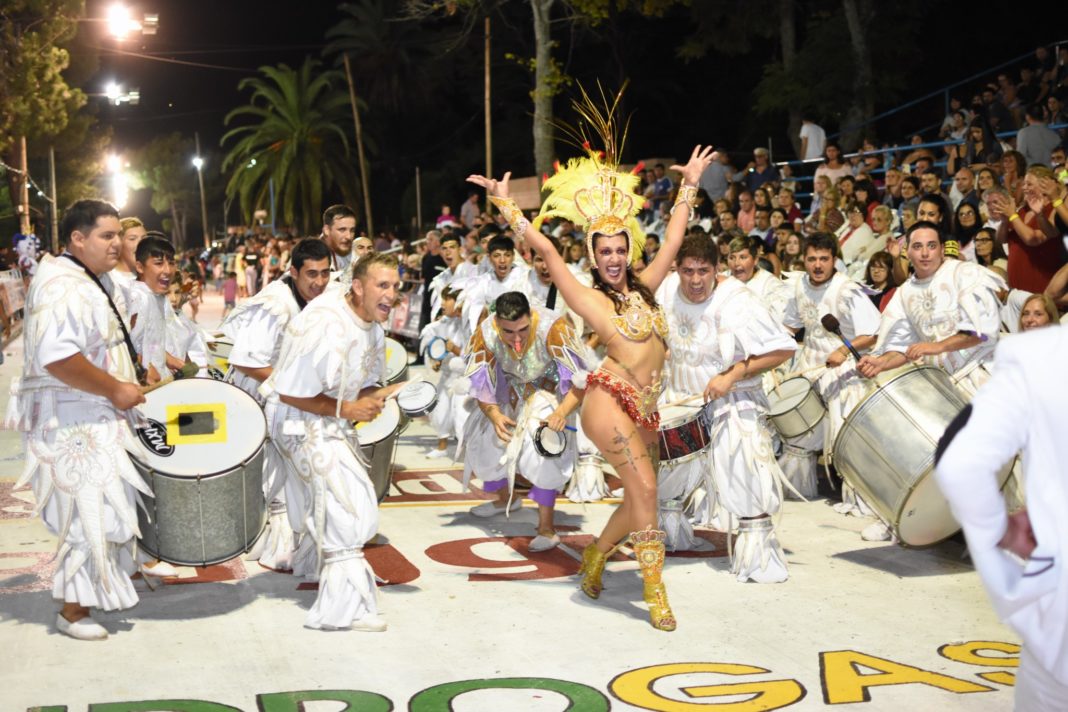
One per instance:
(121, 23)
(120, 183)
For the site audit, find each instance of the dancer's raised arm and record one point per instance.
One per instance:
(578, 296)
(658, 269)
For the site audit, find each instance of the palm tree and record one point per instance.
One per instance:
(294, 139)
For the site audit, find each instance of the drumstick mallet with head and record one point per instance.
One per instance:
(830, 323)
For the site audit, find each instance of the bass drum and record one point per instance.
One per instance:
(886, 451)
(202, 456)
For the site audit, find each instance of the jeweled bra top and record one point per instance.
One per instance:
(638, 320)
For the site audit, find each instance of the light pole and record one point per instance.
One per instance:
(120, 185)
(198, 162)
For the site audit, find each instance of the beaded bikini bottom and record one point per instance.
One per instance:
(639, 405)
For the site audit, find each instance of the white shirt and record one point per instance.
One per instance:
(817, 140)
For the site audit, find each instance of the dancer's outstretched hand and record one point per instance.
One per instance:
(498, 188)
(700, 159)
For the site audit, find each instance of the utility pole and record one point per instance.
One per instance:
(199, 163)
(55, 203)
(359, 148)
(489, 123)
(24, 188)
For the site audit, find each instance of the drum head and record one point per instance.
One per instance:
(925, 517)
(437, 349)
(200, 427)
(417, 396)
(396, 359)
(387, 423)
(788, 395)
(550, 442)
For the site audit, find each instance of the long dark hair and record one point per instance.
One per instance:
(633, 283)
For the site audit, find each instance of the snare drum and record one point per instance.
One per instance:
(386, 425)
(396, 361)
(886, 451)
(795, 407)
(548, 442)
(203, 459)
(683, 432)
(417, 398)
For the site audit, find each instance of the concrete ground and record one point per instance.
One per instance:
(476, 622)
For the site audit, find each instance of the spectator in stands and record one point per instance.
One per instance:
(910, 193)
(470, 211)
(934, 207)
(892, 190)
(1013, 168)
(1038, 311)
(762, 198)
(758, 172)
(879, 279)
(1055, 113)
(1028, 90)
(864, 194)
(662, 187)
(1036, 251)
(918, 154)
(813, 138)
(845, 186)
(820, 186)
(985, 180)
(727, 222)
(988, 251)
(832, 165)
(963, 190)
(882, 224)
(1036, 140)
(965, 226)
(957, 129)
(871, 162)
(762, 225)
(785, 200)
(980, 147)
(716, 179)
(746, 211)
(789, 251)
(955, 106)
(829, 218)
(931, 182)
(997, 114)
(446, 219)
(1058, 163)
(855, 238)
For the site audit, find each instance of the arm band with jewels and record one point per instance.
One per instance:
(512, 214)
(687, 194)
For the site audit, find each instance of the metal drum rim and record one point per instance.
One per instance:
(211, 475)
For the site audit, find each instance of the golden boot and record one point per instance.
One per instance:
(593, 562)
(649, 550)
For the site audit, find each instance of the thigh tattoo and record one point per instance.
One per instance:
(621, 445)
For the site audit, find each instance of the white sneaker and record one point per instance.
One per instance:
(876, 531)
(82, 629)
(159, 569)
(843, 507)
(544, 543)
(435, 454)
(490, 509)
(369, 624)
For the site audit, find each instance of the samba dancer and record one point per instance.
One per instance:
(946, 314)
(524, 368)
(826, 361)
(722, 337)
(78, 382)
(619, 411)
(256, 328)
(332, 358)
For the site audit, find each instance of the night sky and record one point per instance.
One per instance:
(689, 103)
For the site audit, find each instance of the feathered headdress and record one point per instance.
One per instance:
(591, 191)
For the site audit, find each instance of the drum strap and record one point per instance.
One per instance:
(550, 301)
(138, 368)
(301, 303)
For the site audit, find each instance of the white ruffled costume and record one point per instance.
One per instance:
(841, 388)
(147, 312)
(739, 471)
(527, 388)
(328, 349)
(256, 328)
(960, 296)
(76, 443)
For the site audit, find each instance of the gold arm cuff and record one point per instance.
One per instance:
(687, 194)
(512, 214)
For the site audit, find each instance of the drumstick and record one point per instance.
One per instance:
(684, 401)
(154, 386)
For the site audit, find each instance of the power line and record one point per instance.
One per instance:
(167, 60)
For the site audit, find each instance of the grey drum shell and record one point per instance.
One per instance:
(886, 451)
(801, 418)
(202, 520)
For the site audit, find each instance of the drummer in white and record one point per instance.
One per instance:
(824, 359)
(771, 290)
(332, 358)
(524, 369)
(722, 338)
(78, 382)
(256, 328)
(947, 314)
